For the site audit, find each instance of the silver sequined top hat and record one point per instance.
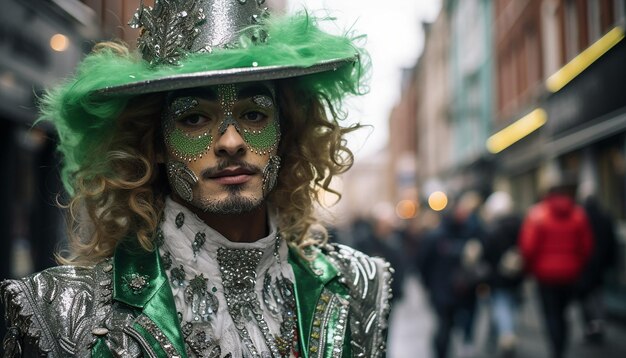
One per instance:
(174, 29)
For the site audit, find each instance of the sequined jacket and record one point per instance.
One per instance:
(342, 299)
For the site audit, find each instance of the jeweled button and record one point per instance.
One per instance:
(100, 331)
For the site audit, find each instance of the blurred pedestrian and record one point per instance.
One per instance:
(603, 257)
(556, 242)
(413, 234)
(502, 228)
(448, 262)
(379, 238)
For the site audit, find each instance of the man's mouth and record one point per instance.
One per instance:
(232, 176)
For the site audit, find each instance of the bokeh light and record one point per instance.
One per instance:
(59, 42)
(406, 209)
(438, 200)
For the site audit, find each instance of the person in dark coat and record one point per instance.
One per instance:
(502, 228)
(603, 257)
(447, 259)
(378, 238)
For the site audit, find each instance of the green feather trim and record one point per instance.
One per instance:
(83, 120)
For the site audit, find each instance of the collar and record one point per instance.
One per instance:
(182, 230)
(137, 274)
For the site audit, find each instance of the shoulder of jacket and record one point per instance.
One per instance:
(369, 284)
(50, 309)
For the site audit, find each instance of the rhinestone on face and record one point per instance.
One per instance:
(182, 179)
(263, 101)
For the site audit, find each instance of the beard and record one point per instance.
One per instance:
(235, 203)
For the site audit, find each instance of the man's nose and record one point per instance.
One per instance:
(230, 141)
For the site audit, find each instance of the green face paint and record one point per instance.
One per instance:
(189, 128)
(184, 146)
(264, 140)
(260, 141)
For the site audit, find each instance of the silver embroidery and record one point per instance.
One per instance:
(169, 30)
(238, 269)
(154, 330)
(198, 342)
(203, 302)
(198, 242)
(369, 283)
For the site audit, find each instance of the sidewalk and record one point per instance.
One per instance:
(534, 343)
(412, 324)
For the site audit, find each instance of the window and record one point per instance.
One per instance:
(619, 6)
(571, 29)
(550, 40)
(593, 20)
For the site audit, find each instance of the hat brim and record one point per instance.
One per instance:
(231, 75)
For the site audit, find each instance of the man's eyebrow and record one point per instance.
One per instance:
(207, 93)
(251, 90)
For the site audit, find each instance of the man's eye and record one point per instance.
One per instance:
(254, 116)
(193, 120)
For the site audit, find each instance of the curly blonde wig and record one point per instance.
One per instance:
(313, 150)
(119, 190)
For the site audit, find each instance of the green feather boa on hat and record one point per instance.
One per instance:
(83, 119)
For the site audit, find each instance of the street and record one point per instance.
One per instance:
(412, 323)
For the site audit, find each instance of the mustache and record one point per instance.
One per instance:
(223, 164)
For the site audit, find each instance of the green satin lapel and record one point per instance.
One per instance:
(155, 299)
(311, 277)
(100, 349)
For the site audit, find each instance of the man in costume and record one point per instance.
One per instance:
(193, 169)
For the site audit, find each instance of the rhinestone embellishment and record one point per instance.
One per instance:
(203, 302)
(136, 282)
(198, 242)
(178, 276)
(180, 220)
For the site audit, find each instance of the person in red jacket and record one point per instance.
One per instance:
(556, 241)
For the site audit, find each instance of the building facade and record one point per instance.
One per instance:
(434, 134)
(471, 81)
(562, 57)
(560, 70)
